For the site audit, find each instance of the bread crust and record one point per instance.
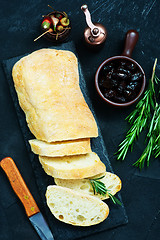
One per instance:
(67, 167)
(63, 148)
(112, 182)
(47, 84)
(75, 208)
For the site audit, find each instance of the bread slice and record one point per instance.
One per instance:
(56, 149)
(111, 181)
(73, 167)
(75, 208)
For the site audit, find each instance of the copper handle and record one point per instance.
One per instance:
(130, 42)
(95, 31)
(19, 186)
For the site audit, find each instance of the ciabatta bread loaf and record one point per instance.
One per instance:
(47, 84)
(112, 182)
(75, 208)
(64, 148)
(73, 167)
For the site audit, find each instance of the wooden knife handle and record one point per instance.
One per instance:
(19, 186)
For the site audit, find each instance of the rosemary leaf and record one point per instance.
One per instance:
(114, 199)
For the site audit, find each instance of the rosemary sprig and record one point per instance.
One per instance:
(140, 117)
(151, 146)
(146, 115)
(99, 187)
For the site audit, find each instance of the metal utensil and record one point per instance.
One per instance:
(23, 193)
(95, 34)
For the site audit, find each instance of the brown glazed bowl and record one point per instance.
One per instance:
(62, 37)
(130, 42)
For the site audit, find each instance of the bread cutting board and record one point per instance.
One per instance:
(60, 230)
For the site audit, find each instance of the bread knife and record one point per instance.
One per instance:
(23, 193)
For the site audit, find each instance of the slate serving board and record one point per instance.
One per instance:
(60, 230)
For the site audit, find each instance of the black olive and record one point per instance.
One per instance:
(122, 64)
(110, 94)
(106, 84)
(107, 68)
(132, 86)
(132, 67)
(109, 76)
(101, 81)
(120, 89)
(119, 99)
(122, 70)
(119, 76)
(127, 94)
(137, 76)
(114, 83)
(122, 76)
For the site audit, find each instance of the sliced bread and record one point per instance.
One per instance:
(73, 167)
(75, 208)
(56, 149)
(111, 181)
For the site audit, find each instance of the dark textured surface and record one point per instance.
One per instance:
(20, 21)
(60, 230)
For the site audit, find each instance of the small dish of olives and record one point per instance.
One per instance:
(120, 80)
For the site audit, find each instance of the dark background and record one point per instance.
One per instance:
(20, 24)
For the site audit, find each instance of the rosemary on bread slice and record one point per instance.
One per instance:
(100, 188)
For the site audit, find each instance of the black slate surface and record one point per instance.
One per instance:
(61, 231)
(20, 24)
